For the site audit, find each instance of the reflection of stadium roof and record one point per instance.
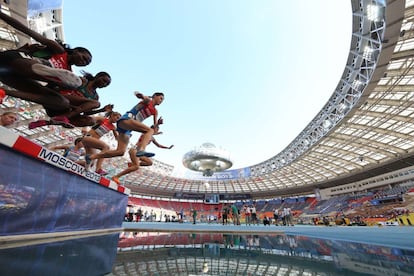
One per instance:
(232, 254)
(171, 261)
(364, 130)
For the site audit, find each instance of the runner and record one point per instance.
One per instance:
(137, 162)
(92, 140)
(23, 71)
(84, 100)
(133, 121)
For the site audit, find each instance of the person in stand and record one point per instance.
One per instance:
(137, 162)
(247, 215)
(92, 140)
(253, 214)
(235, 214)
(288, 216)
(225, 214)
(133, 121)
(276, 216)
(181, 215)
(194, 213)
(8, 118)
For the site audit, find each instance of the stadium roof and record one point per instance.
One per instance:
(365, 129)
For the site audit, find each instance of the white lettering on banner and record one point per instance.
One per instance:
(58, 160)
(218, 176)
(92, 176)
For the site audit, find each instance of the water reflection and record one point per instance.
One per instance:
(146, 253)
(150, 253)
(86, 256)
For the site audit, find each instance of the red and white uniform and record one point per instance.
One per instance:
(60, 61)
(104, 127)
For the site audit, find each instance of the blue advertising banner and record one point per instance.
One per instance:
(36, 197)
(217, 176)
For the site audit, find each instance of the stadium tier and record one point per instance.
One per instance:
(362, 133)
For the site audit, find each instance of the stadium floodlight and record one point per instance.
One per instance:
(356, 84)
(343, 107)
(375, 12)
(327, 124)
(368, 51)
(205, 267)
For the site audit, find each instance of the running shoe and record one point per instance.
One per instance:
(116, 180)
(89, 163)
(88, 159)
(144, 153)
(57, 75)
(38, 123)
(61, 121)
(101, 172)
(2, 95)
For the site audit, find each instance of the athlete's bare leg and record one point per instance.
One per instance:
(123, 140)
(134, 165)
(47, 97)
(91, 144)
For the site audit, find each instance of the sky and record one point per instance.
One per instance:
(247, 76)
